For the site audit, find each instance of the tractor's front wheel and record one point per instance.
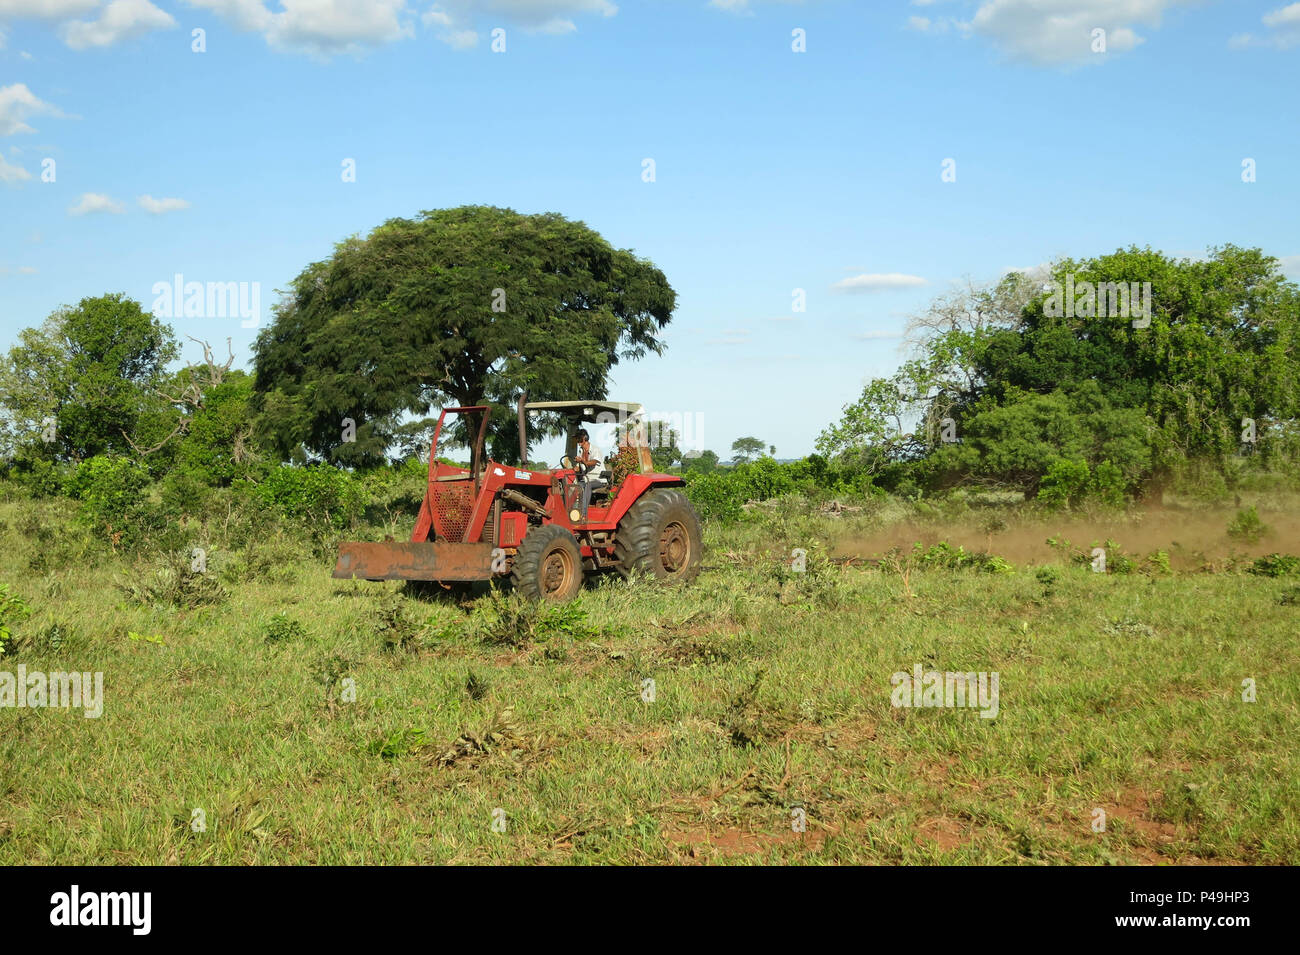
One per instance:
(548, 565)
(660, 536)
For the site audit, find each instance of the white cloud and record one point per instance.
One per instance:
(326, 27)
(557, 27)
(731, 6)
(1283, 26)
(340, 26)
(26, 270)
(1290, 265)
(17, 102)
(878, 282)
(45, 9)
(249, 15)
(92, 202)
(942, 25)
(1060, 32)
(159, 206)
(120, 20)
(11, 174)
(320, 27)
(457, 39)
(1284, 17)
(455, 19)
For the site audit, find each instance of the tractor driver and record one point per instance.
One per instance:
(588, 476)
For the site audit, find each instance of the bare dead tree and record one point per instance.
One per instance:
(201, 379)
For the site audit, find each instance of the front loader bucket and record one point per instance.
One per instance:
(411, 560)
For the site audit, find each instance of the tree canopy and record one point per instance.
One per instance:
(82, 383)
(463, 306)
(746, 449)
(1007, 384)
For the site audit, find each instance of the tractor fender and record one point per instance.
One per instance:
(633, 487)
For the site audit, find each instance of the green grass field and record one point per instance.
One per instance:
(319, 721)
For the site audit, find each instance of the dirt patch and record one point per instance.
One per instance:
(1151, 842)
(1134, 810)
(703, 843)
(944, 832)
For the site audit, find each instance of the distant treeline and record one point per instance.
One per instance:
(1068, 387)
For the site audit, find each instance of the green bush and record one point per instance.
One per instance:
(720, 494)
(1048, 577)
(1275, 565)
(944, 555)
(41, 478)
(183, 494)
(172, 580)
(12, 609)
(1247, 525)
(283, 627)
(1064, 484)
(764, 479)
(1109, 485)
(716, 495)
(1157, 562)
(113, 492)
(321, 494)
(217, 448)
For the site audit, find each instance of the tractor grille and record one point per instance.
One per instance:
(452, 503)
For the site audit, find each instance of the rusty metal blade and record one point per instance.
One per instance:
(407, 560)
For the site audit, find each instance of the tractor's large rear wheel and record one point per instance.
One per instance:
(548, 565)
(660, 536)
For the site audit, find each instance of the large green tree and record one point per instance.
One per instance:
(1221, 345)
(83, 382)
(744, 450)
(1005, 384)
(463, 306)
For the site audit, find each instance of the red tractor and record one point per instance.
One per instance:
(497, 520)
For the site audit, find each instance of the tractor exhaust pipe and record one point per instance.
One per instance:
(523, 431)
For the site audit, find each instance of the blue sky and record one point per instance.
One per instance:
(774, 170)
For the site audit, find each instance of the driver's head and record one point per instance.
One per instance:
(582, 435)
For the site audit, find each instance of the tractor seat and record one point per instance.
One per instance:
(605, 489)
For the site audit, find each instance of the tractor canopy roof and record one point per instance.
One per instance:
(588, 410)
